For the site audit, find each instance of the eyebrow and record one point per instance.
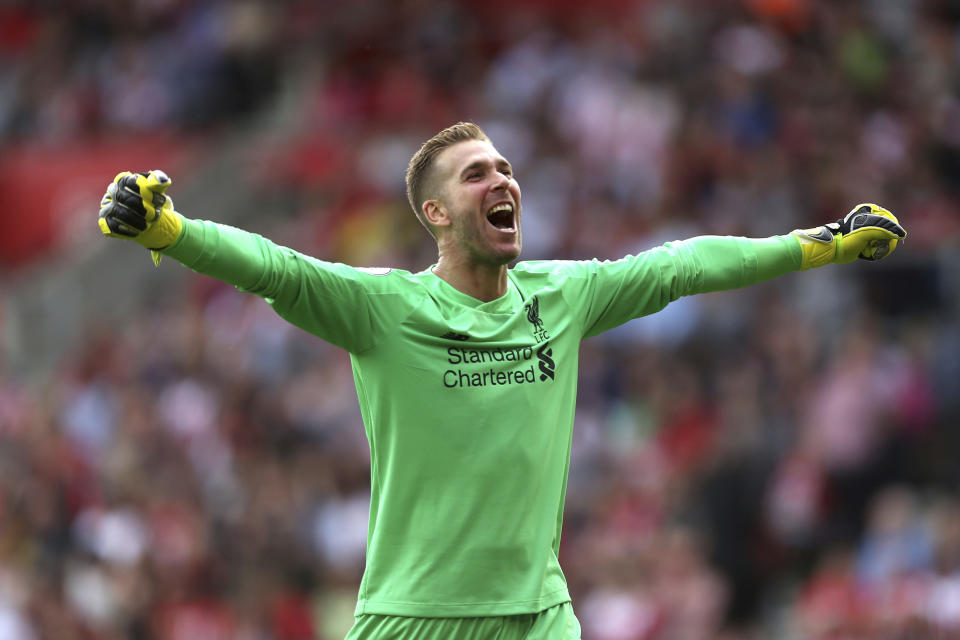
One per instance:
(501, 163)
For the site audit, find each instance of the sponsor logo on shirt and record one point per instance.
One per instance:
(492, 367)
(500, 366)
(547, 365)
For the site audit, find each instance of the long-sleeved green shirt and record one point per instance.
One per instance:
(468, 405)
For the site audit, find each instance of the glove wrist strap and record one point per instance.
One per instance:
(818, 247)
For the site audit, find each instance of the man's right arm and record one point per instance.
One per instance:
(248, 261)
(326, 299)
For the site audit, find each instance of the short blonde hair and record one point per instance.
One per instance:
(419, 169)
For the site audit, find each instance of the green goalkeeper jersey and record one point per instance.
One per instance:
(469, 405)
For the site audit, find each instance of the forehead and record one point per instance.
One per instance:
(463, 154)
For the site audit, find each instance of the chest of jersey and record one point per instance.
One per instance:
(457, 347)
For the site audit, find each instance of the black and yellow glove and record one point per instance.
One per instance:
(137, 208)
(868, 232)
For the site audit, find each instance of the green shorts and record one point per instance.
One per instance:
(555, 623)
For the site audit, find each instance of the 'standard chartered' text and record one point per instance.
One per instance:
(490, 376)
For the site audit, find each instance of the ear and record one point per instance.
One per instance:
(436, 214)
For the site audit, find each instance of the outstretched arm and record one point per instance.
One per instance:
(136, 207)
(329, 300)
(643, 284)
(868, 232)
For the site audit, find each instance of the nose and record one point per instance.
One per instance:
(501, 183)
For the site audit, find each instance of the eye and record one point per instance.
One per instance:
(474, 176)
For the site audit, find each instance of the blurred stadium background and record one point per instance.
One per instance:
(779, 462)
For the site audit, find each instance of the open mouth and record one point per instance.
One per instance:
(501, 216)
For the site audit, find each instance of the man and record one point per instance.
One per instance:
(466, 373)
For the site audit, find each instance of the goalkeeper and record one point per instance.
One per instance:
(466, 373)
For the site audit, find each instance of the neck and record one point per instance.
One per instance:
(481, 281)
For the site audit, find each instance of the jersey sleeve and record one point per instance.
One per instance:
(634, 286)
(336, 302)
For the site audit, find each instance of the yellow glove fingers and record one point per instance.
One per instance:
(135, 207)
(871, 215)
(868, 232)
(868, 243)
(127, 193)
(151, 188)
(122, 220)
(105, 228)
(109, 196)
(878, 249)
(871, 233)
(119, 215)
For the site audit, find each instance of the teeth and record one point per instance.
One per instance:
(506, 206)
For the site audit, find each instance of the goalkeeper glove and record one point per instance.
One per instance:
(135, 207)
(868, 232)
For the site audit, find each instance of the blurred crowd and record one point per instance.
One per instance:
(778, 461)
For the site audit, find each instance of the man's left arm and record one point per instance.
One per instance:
(868, 232)
(646, 283)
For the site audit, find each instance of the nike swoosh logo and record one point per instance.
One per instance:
(820, 234)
